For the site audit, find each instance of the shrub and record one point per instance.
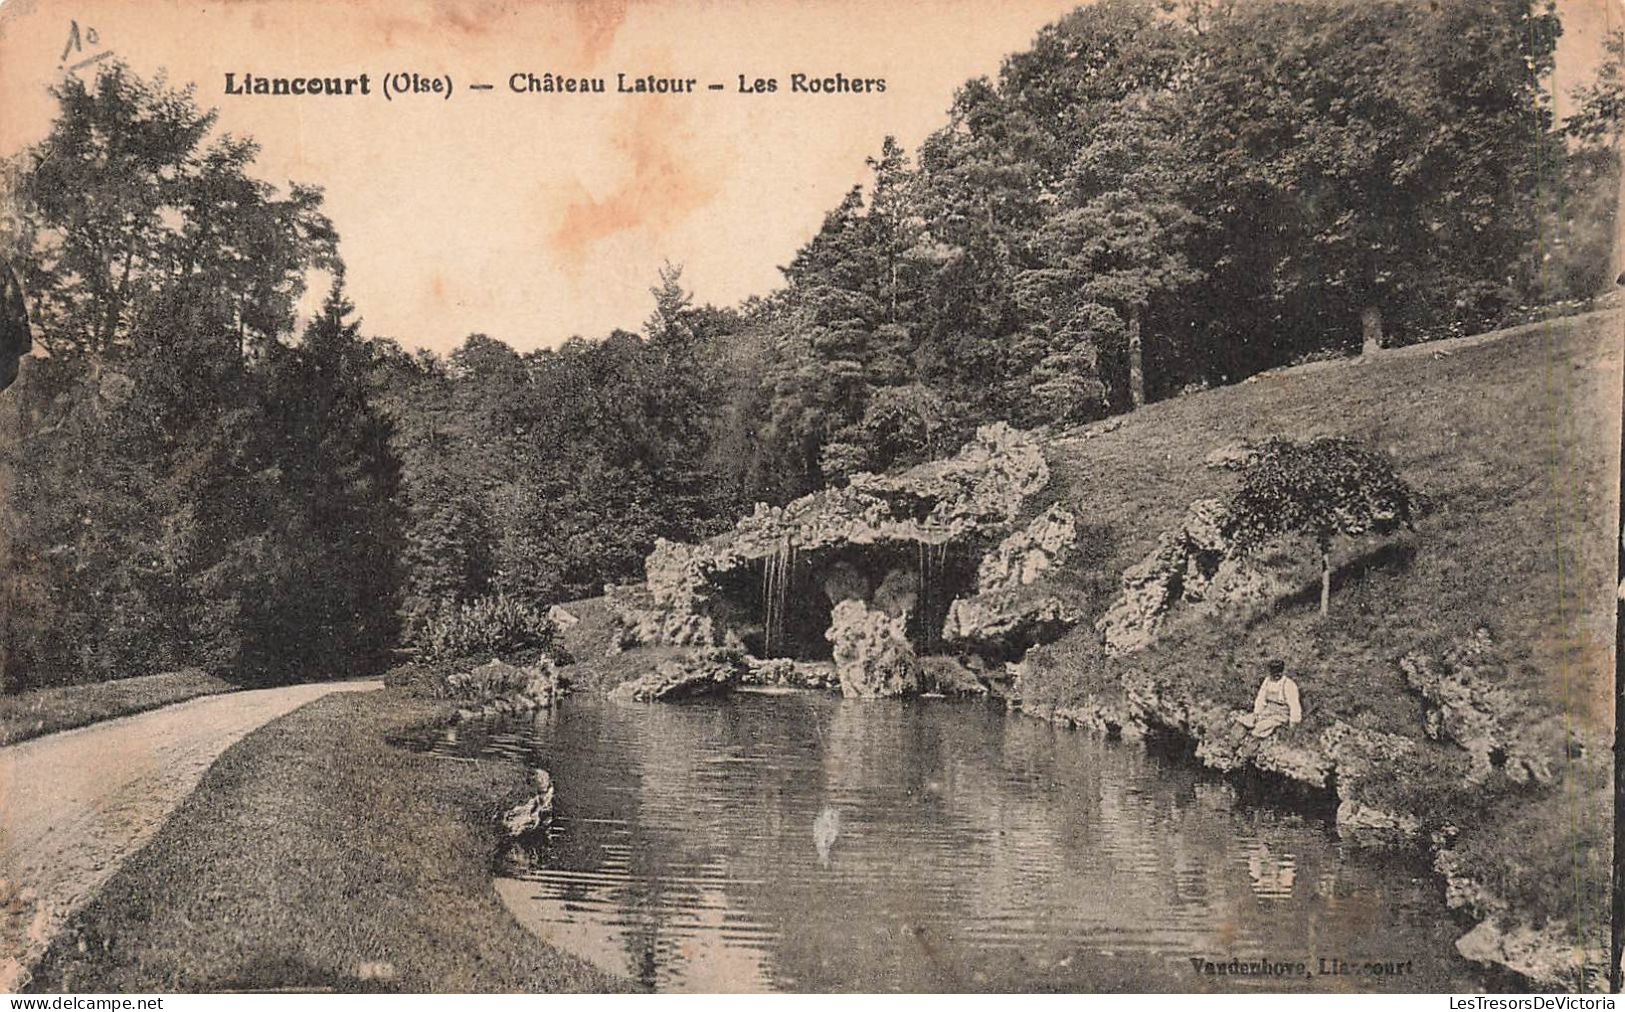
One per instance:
(494, 680)
(487, 627)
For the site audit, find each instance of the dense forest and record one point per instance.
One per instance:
(1152, 199)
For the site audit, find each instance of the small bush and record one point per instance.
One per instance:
(460, 680)
(492, 626)
(493, 681)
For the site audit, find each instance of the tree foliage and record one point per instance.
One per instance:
(1321, 489)
(190, 485)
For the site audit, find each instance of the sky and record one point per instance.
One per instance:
(533, 218)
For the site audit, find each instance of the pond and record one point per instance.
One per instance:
(804, 842)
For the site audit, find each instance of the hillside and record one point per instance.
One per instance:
(1514, 438)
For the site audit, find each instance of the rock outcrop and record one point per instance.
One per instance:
(783, 672)
(1549, 957)
(898, 593)
(562, 618)
(535, 813)
(1469, 704)
(640, 622)
(1231, 457)
(1007, 623)
(873, 656)
(952, 501)
(1195, 562)
(1028, 554)
(1371, 826)
(1366, 771)
(704, 673)
(950, 677)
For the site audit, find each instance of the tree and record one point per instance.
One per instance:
(149, 521)
(1370, 167)
(1115, 240)
(333, 449)
(824, 341)
(1322, 489)
(668, 325)
(124, 198)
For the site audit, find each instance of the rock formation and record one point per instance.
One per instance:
(703, 673)
(1194, 562)
(914, 514)
(1368, 772)
(898, 593)
(1008, 622)
(1025, 556)
(1232, 457)
(562, 618)
(533, 814)
(783, 672)
(1547, 956)
(873, 656)
(1470, 705)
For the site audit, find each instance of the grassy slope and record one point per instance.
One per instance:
(1516, 440)
(43, 711)
(316, 855)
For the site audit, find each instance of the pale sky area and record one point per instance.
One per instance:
(536, 217)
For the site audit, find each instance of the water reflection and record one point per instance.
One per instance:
(810, 843)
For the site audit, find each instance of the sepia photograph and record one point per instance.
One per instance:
(805, 496)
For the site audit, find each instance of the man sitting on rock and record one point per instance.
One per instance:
(1276, 704)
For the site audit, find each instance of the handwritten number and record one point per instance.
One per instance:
(74, 45)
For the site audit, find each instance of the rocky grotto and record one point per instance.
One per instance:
(874, 576)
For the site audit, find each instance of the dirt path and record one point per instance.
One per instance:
(74, 805)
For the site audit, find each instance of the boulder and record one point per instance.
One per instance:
(1371, 826)
(1008, 622)
(1549, 957)
(706, 673)
(873, 656)
(1020, 559)
(842, 581)
(785, 672)
(898, 593)
(950, 676)
(1194, 562)
(1231, 457)
(562, 618)
(1461, 890)
(535, 812)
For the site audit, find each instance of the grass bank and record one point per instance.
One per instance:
(45, 711)
(1515, 438)
(314, 855)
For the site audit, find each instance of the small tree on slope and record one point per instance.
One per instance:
(1320, 489)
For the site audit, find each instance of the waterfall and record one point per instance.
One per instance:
(777, 571)
(922, 599)
(767, 606)
(932, 606)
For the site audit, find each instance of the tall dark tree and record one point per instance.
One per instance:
(1119, 239)
(147, 521)
(333, 447)
(1368, 167)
